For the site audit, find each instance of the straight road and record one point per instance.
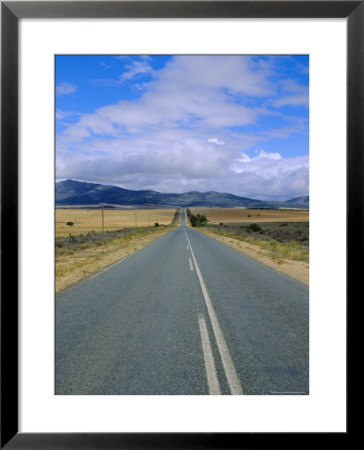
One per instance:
(186, 315)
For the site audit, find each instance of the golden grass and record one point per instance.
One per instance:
(217, 215)
(75, 265)
(278, 251)
(86, 220)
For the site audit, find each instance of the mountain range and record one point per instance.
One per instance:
(71, 192)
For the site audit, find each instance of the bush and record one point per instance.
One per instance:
(253, 227)
(199, 220)
(156, 224)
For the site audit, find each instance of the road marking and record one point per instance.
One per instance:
(227, 362)
(212, 380)
(112, 265)
(191, 266)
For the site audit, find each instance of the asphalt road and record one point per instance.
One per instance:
(186, 315)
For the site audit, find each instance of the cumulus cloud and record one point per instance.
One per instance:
(188, 131)
(191, 91)
(60, 114)
(239, 164)
(268, 175)
(65, 89)
(294, 94)
(136, 68)
(215, 141)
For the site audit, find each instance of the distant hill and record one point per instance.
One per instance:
(304, 201)
(72, 192)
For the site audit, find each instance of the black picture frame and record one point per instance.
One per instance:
(11, 12)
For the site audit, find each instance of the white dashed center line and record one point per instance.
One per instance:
(212, 380)
(227, 362)
(190, 261)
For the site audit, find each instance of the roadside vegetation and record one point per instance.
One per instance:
(198, 220)
(80, 255)
(280, 241)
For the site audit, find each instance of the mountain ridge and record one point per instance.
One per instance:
(70, 192)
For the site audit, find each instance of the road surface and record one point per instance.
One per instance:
(186, 315)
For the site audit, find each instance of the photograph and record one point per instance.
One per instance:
(181, 224)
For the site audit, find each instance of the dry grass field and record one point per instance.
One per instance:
(218, 215)
(86, 220)
(277, 238)
(79, 258)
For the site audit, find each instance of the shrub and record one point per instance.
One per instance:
(156, 224)
(199, 220)
(253, 227)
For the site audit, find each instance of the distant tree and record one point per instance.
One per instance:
(70, 224)
(198, 220)
(156, 224)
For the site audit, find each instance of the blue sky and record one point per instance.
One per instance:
(235, 124)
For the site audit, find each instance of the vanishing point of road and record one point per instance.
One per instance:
(186, 315)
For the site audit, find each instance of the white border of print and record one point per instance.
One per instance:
(324, 408)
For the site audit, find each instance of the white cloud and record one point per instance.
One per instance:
(65, 89)
(60, 114)
(215, 141)
(292, 100)
(298, 95)
(170, 161)
(190, 91)
(177, 136)
(239, 164)
(268, 155)
(136, 68)
(268, 174)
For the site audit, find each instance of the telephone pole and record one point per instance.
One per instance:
(102, 215)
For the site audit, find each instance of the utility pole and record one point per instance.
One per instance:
(135, 220)
(102, 215)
